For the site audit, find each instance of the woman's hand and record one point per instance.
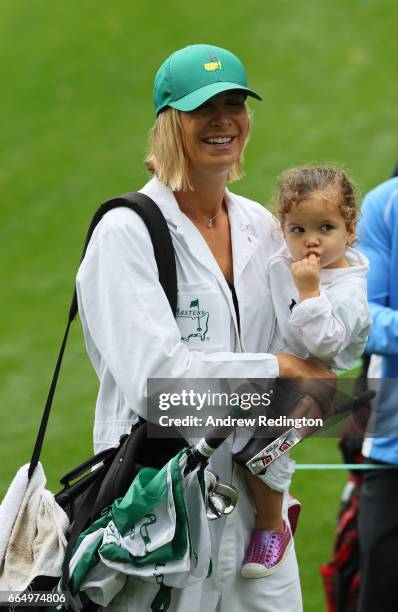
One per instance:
(294, 367)
(310, 377)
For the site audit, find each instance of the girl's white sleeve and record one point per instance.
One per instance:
(333, 330)
(131, 325)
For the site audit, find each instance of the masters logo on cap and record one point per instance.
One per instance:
(213, 64)
(190, 76)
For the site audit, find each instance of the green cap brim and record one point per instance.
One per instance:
(200, 96)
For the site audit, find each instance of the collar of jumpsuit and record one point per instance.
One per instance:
(241, 232)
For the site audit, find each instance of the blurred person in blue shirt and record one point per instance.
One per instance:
(378, 515)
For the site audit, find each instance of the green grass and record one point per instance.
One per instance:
(76, 110)
(319, 492)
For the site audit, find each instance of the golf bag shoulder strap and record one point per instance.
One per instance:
(159, 232)
(156, 224)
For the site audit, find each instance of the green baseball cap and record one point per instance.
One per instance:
(192, 75)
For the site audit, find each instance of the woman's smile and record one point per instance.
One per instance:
(218, 141)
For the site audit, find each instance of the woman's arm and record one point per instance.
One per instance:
(312, 378)
(294, 367)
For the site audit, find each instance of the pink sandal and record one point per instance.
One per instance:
(267, 552)
(293, 512)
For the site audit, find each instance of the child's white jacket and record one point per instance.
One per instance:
(332, 327)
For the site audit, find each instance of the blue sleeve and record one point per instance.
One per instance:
(375, 235)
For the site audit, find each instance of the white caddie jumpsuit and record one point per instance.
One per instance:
(131, 335)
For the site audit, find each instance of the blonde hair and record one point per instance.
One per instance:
(167, 157)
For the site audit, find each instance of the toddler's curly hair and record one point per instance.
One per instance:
(297, 184)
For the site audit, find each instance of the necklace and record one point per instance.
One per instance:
(210, 220)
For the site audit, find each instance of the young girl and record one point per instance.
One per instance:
(318, 286)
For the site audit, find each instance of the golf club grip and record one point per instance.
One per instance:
(356, 402)
(203, 450)
(207, 445)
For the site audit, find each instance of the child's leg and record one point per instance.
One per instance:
(272, 538)
(278, 477)
(268, 504)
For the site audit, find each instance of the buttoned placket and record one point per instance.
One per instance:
(198, 248)
(244, 245)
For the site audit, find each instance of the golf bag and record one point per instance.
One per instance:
(96, 483)
(91, 488)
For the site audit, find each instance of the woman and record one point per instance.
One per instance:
(221, 242)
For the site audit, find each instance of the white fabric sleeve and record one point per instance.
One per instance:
(131, 323)
(279, 474)
(277, 344)
(328, 330)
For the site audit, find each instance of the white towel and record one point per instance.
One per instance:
(37, 542)
(10, 507)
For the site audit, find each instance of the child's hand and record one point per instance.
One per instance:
(306, 275)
